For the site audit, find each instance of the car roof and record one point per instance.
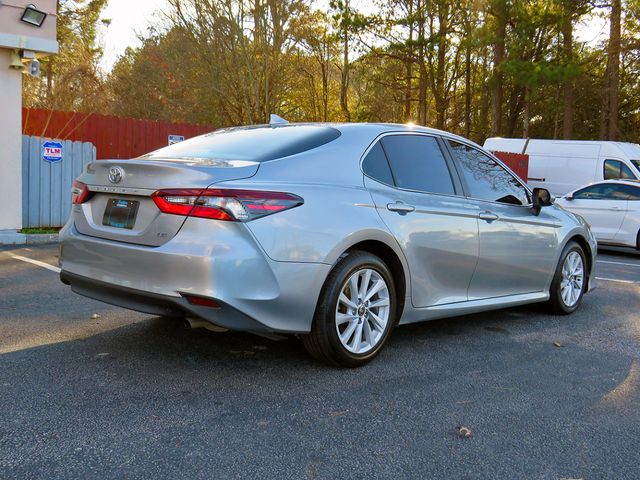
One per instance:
(396, 127)
(625, 181)
(618, 181)
(367, 130)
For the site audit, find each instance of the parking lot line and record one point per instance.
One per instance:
(619, 263)
(615, 280)
(36, 262)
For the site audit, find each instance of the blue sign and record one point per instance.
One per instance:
(175, 139)
(52, 152)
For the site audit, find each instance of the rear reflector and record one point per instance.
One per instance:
(202, 302)
(79, 193)
(224, 204)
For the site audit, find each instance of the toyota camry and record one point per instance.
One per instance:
(334, 232)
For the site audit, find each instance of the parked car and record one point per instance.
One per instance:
(333, 232)
(565, 165)
(612, 208)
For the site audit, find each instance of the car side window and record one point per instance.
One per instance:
(594, 192)
(614, 169)
(417, 163)
(602, 191)
(376, 166)
(486, 179)
(633, 193)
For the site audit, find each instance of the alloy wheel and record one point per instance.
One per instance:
(362, 311)
(572, 279)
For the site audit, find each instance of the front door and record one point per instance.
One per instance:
(517, 248)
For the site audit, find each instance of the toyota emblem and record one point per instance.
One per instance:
(116, 174)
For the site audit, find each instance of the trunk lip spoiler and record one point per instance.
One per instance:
(146, 192)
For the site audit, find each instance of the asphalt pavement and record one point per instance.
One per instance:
(88, 391)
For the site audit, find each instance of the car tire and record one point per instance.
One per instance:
(570, 280)
(638, 241)
(351, 325)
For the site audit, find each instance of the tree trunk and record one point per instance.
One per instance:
(344, 85)
(422, 81)
(567, 46)
(526, 114)
(500, 13)
(409, 67)
(467, 92)
(614, 70)
(609, 115)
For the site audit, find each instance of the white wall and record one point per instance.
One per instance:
(10, 144)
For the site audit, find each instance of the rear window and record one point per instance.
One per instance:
(251, 144)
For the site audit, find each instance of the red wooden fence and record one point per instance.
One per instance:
(517, 162)
(114, 137)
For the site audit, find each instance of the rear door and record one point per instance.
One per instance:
(603, 205)
(517, 248)
(414, 190)
(629, 233)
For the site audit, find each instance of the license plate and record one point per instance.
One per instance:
(120, 213)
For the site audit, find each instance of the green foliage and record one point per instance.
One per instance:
(71, 80)
(229, 62)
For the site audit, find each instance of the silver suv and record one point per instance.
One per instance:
(336, 233)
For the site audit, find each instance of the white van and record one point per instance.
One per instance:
(561, 166)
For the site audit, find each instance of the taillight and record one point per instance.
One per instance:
(224, 204)
(79, 193)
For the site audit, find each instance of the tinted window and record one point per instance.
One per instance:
(603, 191)
(376, 166)
(486, 179)
(256, 144)
(615, 169)
(633, 192)
(417, 163)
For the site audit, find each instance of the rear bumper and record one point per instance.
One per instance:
(217, 260)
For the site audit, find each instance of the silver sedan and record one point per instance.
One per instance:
(334, 232)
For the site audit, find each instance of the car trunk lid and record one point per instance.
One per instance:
(121, 208)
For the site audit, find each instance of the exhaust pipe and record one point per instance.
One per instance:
(192, 323)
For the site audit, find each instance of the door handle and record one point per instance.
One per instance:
(488, 216)
(400, 207)
(615, 209)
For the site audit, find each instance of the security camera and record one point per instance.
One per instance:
(33, 68)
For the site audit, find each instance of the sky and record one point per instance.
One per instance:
(127, 22)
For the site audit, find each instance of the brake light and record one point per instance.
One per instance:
(79, 193)
(224, 204)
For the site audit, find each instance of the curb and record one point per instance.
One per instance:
(37, 239)
(21, 239)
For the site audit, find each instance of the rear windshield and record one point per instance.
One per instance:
(252, 144)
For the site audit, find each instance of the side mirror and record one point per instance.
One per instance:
(541, 198)
(568, 198)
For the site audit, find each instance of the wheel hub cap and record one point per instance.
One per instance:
(572, 279)
(363, 311)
